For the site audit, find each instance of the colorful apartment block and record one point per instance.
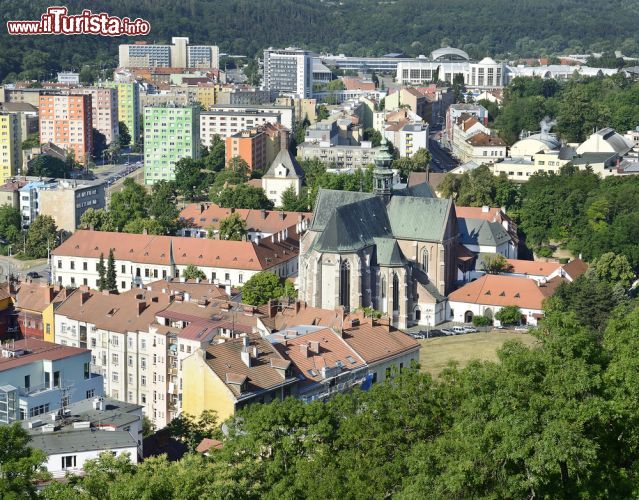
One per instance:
(104, 109)
(170, 134)
(128, 105)
(10, 157)
(206, 94)
(67, 122)
(250, 145)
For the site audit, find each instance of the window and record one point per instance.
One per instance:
(188, 349)
(115, 376)
(345, 285)
(425, 260)
(130, 361)
(143, 380)
(143, 398)
(240, 278)
(123, 269)
(87, 370)
(72, 264)
(59, 264)
(68, 462)
(388, 372)
(143, 344)
(27, 382)
(85, 266)
(56, 379)
(114, 359)
(395, 292)
(90, 393)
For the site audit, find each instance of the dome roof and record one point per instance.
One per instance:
(487, 60)
(534, 144)
(449, 54)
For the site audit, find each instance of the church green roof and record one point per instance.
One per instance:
(416, 218)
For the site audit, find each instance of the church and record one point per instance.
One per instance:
(392, 250)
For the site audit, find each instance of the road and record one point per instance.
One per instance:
(19, 268)
(442, 160)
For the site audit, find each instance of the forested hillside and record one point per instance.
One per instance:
(360, 27)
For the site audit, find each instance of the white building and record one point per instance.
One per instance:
(141, 259)
(287, 116)
(177, 55)
(412, 138)
(86, 430)
(37, 377)
(227, 123)
(357, 156)
(69, 78)
(283, 174)
(289, 71)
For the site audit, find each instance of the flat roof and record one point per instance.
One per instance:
(78, 440)
(33, 350)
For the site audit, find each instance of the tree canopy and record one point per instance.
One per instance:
(260, 288)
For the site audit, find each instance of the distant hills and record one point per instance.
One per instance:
(501, 28)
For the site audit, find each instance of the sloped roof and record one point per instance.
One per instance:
(329, 199)
(575, 268)
(499, 290)
(388, 252)
(482, 232)
(354, 226)
(285, 158)
(414, 218)
(532, 267)
(483, 139)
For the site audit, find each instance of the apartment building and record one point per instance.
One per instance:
(357, 156)
(10, 141)
(104, 110)
(128, 99)
(141, 258)
(179, 54)
(10, 192)
(69, 78)
(225, 124)
(288, 71)
(412, 138)
(138, 339)
(286, 112)
(170, 134)
(11, 93)
(40, 377)
(250, 145)
(64, 200)
(67, 122)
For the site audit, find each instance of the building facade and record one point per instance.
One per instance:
(250, 146)
(128, 107)
(104, 110)
(170, 134)
(289, 71)
(67, 122)
(10, 141)
(177, 55)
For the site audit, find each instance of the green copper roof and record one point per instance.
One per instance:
(388, 252)
(422, 219)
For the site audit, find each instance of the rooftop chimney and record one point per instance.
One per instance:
(246, 358)
(282, 215)
(485, 209)
(201, 207)
(314, 346)
(263, 214)
(84, 297)
(245, 341)
(304, 350)
(49, 294)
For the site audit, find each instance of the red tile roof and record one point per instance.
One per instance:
(37, 350)
(533, 267)
(482, 139)
(376, 342)
(575, 268)
(208, 215)
(151, 249)
(499, 290)
(206, 444)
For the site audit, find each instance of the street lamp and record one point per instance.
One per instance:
(427, 316)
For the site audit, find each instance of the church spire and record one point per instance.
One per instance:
(382, 174)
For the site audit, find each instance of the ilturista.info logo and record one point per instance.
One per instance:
(57, 21)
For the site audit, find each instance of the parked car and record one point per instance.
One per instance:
(499, 327)
(470, 329)
(446, 331)
(417, 336)
(459, 329)
(33, 274)
(522, 328)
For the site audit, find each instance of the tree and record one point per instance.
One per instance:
(99, 143)
(482, 320)
(110, 281)
(509, 315)
(375, 136)
(291, 202)
(125, 135)
(48, 166)
(614, 269)
(20, 465)
(192, 272)
(322, 113)
(289, 290)
(128, 204)
(32, 141)
(192, 430)
(243, 196)
(162, 206)
(10, 221)
(260, 288)
(495, 264)
(148, 427)
(87, 76)
(232, 227)
(189, 178)
(140, 225)
(102, 281)
(41, 237)
(215, 157)
(98, 220)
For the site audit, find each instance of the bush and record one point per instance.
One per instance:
(546, 252)
(482, 321)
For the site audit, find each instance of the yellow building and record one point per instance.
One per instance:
(228, 376)
(10, 157)
(206, 95)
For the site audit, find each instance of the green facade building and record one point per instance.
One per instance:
(170, 134)
(128, 107)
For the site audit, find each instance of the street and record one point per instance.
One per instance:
(442, 160)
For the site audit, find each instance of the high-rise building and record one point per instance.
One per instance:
(289, 71)
(10, 157)
(67, 122)
(250, 145)
(104, 108)
(128, 102)
(177, 55)
(170, 134)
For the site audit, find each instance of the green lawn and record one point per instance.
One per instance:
(436, 353)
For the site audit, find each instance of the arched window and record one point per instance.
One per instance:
(395, 292)
(345, 285)
(383, 294)
(425, 260)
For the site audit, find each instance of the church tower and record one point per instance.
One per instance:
(382, 174)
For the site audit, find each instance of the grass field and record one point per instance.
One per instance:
(436, 353)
